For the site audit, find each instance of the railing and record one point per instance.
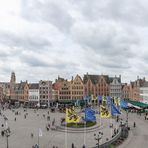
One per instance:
(115, 138)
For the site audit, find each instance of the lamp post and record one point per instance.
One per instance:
(7, 134)
(127, 118)
(98, 138)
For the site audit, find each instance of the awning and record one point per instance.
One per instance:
(137, 103)
(131, 105)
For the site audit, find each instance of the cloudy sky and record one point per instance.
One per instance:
(41, 39)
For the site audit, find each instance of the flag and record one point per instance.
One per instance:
(118, 104)
(71, 116)
(123, 103)
(40, 133)
(99, 98)
(93, 97)
(119, 101)
(115, 101)
(77, 103)
(104, 112)
(103, 99)
(90, 114)
(87, 98)
(114, 110)
(108, 98)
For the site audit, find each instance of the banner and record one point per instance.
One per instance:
(104, 112)
(87, 98)
(114, 110)
(103, 99)
(93, 97)
(71, 116)
(115, 101)
(100, 98)
(123, 103)
(108, 98)
(90, 114)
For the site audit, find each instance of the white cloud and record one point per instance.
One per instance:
(41, 39)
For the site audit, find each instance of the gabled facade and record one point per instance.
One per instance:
(6, 90)
(135, 89)
(56, 88)
(125, 91)
(45, 91)
(21, 91)
(103, 85)
(90, 84)
(115, 87)
(144, 93)
(34, 93)
(77, 88)
(96, 85)
(65, 90)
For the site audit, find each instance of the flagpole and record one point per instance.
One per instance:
(111, 122)
(38, 137)
(66, 135)
(85, 128)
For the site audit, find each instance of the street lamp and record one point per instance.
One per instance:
(127, 118)
(98, 138)
(7, 134)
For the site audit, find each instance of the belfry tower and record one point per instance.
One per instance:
(12, 85)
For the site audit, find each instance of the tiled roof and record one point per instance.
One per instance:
(112, 78)
(34, 86)
(95, 78)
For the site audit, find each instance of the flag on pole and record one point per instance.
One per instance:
(93, 97)
(87, 98)
(108, 98)
(40, 132)
(71, 116)
(103, 99)
(118, 104)
(90, 114)
(100, 98)
(114, 110)
(104, 112)
(119, 101)
(123, 103)
(115, 101)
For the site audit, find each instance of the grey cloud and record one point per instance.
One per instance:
(50, 12)
(33, 61)
(24, 41)
(132, 12)
(105, 38)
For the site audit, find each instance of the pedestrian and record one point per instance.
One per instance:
(72, 145)
(31, 135)
(115, 131)
(15, 119)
